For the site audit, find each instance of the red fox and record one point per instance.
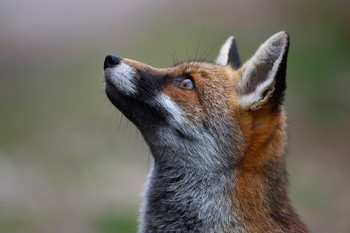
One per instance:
(217, 132)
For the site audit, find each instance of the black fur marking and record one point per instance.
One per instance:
(281, 84)
(141, 108)
(233, 56)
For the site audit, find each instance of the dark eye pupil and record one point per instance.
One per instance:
(186, 83)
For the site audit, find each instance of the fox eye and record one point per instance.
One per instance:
(186, 84)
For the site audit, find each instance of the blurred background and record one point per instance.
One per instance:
(70, 162)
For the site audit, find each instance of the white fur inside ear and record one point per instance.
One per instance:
(222, 59)
(272, 50)
(255, 99)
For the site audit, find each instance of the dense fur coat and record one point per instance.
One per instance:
(217, 134)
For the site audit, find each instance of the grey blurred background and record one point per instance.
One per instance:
(69, 162)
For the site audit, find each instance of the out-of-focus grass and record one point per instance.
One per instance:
(117, 222)
(318, 66)
(18, 222)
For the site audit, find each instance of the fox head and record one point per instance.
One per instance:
(205, 114)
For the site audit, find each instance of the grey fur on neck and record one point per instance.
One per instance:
(188, 199)
(189, 189)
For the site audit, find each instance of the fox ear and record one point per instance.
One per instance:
(229, 54)
(263, 80)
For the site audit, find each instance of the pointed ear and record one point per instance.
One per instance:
(229, 54)
(263, 80)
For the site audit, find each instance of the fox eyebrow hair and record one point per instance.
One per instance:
(202, 74)
(190, 69)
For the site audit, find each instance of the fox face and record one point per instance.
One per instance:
(201, 112)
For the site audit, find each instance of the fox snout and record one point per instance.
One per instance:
(111, 60)
(119, 76)
(134, 87)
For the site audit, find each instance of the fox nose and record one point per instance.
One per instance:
(111, 60)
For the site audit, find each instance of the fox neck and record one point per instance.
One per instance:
(188, 200)
(236, 198)
(190, 190)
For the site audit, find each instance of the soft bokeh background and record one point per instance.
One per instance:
(69, 162)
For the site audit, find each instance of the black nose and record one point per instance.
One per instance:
(111, 60)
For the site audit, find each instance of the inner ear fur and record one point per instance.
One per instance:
(263, 80)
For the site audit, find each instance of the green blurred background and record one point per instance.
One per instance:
(69, 162)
